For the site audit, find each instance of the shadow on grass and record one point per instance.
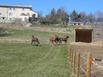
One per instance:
(5, 35)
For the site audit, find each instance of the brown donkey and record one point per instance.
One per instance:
(35, 41)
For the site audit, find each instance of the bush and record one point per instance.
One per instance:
(3, 32)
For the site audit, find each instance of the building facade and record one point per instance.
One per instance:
(9, 13)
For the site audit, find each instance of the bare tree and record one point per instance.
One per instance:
(99, 16)
(74, 16)
(82, 17)
(91, 18)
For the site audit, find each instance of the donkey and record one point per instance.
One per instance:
(35, 41)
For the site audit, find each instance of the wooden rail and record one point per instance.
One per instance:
(75, 62)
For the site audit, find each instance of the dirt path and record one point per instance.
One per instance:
(14, 40)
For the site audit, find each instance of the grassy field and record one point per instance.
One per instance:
(24, 34)
(24, 60)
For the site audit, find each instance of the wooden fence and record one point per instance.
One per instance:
(79, 67)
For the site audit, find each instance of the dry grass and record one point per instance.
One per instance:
(96, 48)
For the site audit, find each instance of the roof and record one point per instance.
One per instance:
(17, 6)
(76, 22)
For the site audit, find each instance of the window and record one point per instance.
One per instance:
(23, 8)
(10, 18)
(10, 14)
(3, 18)
(13, 8)
(23, 14)
(10, 8)
(0, 13)
(28, 14)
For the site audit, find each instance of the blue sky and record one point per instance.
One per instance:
(44, 6)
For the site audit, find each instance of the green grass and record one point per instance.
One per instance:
(28, 32)
(25, 34)
(24, 60)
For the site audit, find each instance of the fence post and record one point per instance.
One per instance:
(69, 55)
(71, 58)
(89, 62)
(78, 64)
(74, 62)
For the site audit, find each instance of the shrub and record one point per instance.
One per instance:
(3, 32)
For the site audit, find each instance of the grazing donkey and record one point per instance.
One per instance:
(63, 39)
(53, 39)
(35, 41)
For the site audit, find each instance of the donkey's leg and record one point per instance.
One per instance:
(32, 42)
(65, 41)
(38, 43)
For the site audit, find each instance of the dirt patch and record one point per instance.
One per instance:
(15, 40)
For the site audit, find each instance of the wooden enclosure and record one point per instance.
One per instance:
(83, 35)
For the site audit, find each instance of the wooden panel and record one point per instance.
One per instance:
(83, 35)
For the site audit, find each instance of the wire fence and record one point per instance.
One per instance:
(82, 66)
